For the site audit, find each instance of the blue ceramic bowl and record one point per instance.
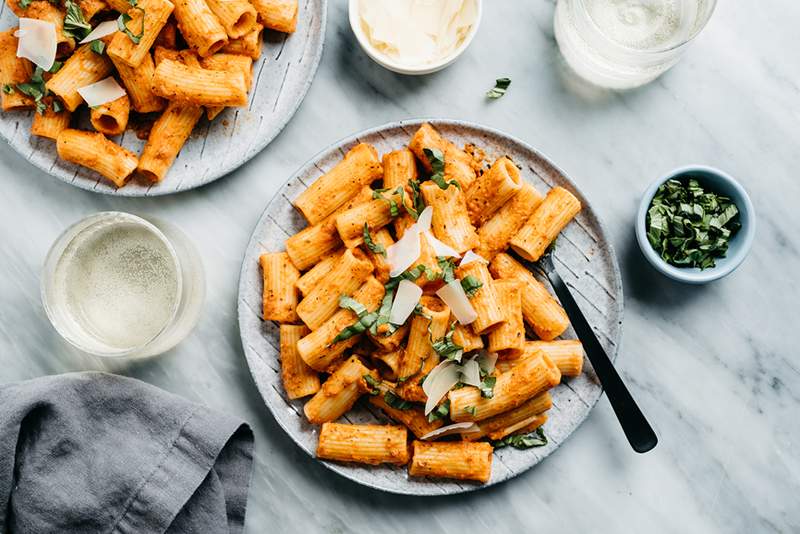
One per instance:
(719, 182)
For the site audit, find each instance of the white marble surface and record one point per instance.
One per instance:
(715, 368)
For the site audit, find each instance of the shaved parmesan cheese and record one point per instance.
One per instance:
(470, 256)
(404, 253)
(454, 296)
(441, 249)
(423, 223)
(405, 300)
(471, 373)
(99, 93)
(487, 361)
(438, 382)
(37, 42)
(101, 30)
(455, 428)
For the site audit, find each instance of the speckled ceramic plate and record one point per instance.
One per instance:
(281, 78)
(584, 258)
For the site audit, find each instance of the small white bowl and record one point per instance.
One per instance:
(382, 60)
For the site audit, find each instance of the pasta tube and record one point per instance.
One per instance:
(539, 309)
(338, 393)
(567, 354)
(523, 427)
(462, 460)
(248, 45)
(388, 362)
(318, 348)
(492, 190)
(83, 68)
(400, 168)
(465, 337)
(414, 418)
(365, 444)
(90, 8)
(419, 358)
(484, 301)
(13, 70)
(167, 137)
(318, 272)
(347, 275)
(495, 233)
(238, 17)
(196, 85)
(533, 375)
(311, 244)
(278, 15)
(48, 12)
(391, 342)
(450, 221)
(93, 150)
(147, 18)
(280, 293)
(524, 412)
(50, 123)
(458, 165)
(381, 238)
(508, 336)
(200, 27)
(299, 380)
(553, 214)
(375, 214)
(111, 118)
(138, 82)
(359, 167)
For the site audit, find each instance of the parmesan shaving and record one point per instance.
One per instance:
(438, 382)
(471, 373)
(454, 296)
(99, 93)
(103, 29)
(455, 428)
(37, 42)
(441, 249)
(470, 256)
(405, 300)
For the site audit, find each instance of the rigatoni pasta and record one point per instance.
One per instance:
(278, 15)
(299, 380)
(111, 118)
(167, 137)
(508, 337)
(451, 223)
(461, 460)
(339, 392)
(200, 26)
(198, 86)
(492, 189)
(83, 68)
(146, 21)
(93, 150)
(365, 444)
(238, 17)
(13, 70)
(280, 295)
(50, 123)
(497, 231)
(553, 214)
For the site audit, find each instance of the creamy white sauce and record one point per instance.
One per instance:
(416, 33)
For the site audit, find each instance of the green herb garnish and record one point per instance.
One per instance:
(377, 248)
(75, 24)
(122, 25)
(436, 159)
(499, 89)
(57, 108)
(98, 47)
(8, 89)
(418, 205)
(471, 285)
(487, 387)
(36, 89)
(373, 383)
(394, 210)
(448, 268)
(396, 402)
(440, 412)
(24, 3)
(446, 347)
(472, 410)
(523, 441)
(689, 226)
(365, 319)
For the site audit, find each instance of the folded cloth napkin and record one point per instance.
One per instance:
(94, 452)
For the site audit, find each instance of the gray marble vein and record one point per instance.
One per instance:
(715, 368)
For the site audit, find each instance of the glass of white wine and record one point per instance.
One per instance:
(119, 285)
(623, 44)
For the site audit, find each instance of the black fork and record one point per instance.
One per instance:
(638, 431)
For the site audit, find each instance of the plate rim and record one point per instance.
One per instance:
(253, 241)
(223, 171)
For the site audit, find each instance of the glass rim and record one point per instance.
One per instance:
(60, 245)
(689, 39)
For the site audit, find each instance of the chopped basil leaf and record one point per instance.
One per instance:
(384, 311)
(373, 383)
(472, 410)
(487, 387)
(377, 248)
(499, 89)
(98, 47)
(440, 412)
(8, 89)
(446, 347)
(57, 106)
(418, 205)
(75, 24)
(36, 89)
(394, 210)
(365, 319)
(448, 268)
(134, 3)
(349, 303)
(122, 25)
(396, 402)
(436, 159)
(523, 441)
(471, 285)
(24, 3)
(689, 226)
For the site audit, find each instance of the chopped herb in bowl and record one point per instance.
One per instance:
(689, 226)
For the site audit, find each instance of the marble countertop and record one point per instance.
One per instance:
(715, 367)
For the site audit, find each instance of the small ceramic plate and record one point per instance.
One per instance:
(584, 258)
(281, 78)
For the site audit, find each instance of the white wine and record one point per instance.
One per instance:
(114, 284)
(622, 44)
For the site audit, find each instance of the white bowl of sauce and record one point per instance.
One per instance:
(415, 36)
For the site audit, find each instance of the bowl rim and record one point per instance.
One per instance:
(694, 275)
(380, 59)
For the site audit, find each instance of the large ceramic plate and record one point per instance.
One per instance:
(584, 258)
(281, 78)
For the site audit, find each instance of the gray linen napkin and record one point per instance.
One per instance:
(94, 452)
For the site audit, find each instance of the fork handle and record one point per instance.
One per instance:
(638, 431)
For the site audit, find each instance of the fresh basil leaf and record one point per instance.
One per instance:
(8, 89)
(417, 203)
(472, 410)
(98, 47)
(57, 107)
(499, 89)
(487, 387)
(56, 67)
(377, 248)
(446, 347)
(523, 441)
(448, 268)
(364, 322)
(75, 24)
(394, 209)
(396, 402)
(373, 383)
(122, 25)
(471, 285)
(440, 412)
(24, 3)
(436, 160)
